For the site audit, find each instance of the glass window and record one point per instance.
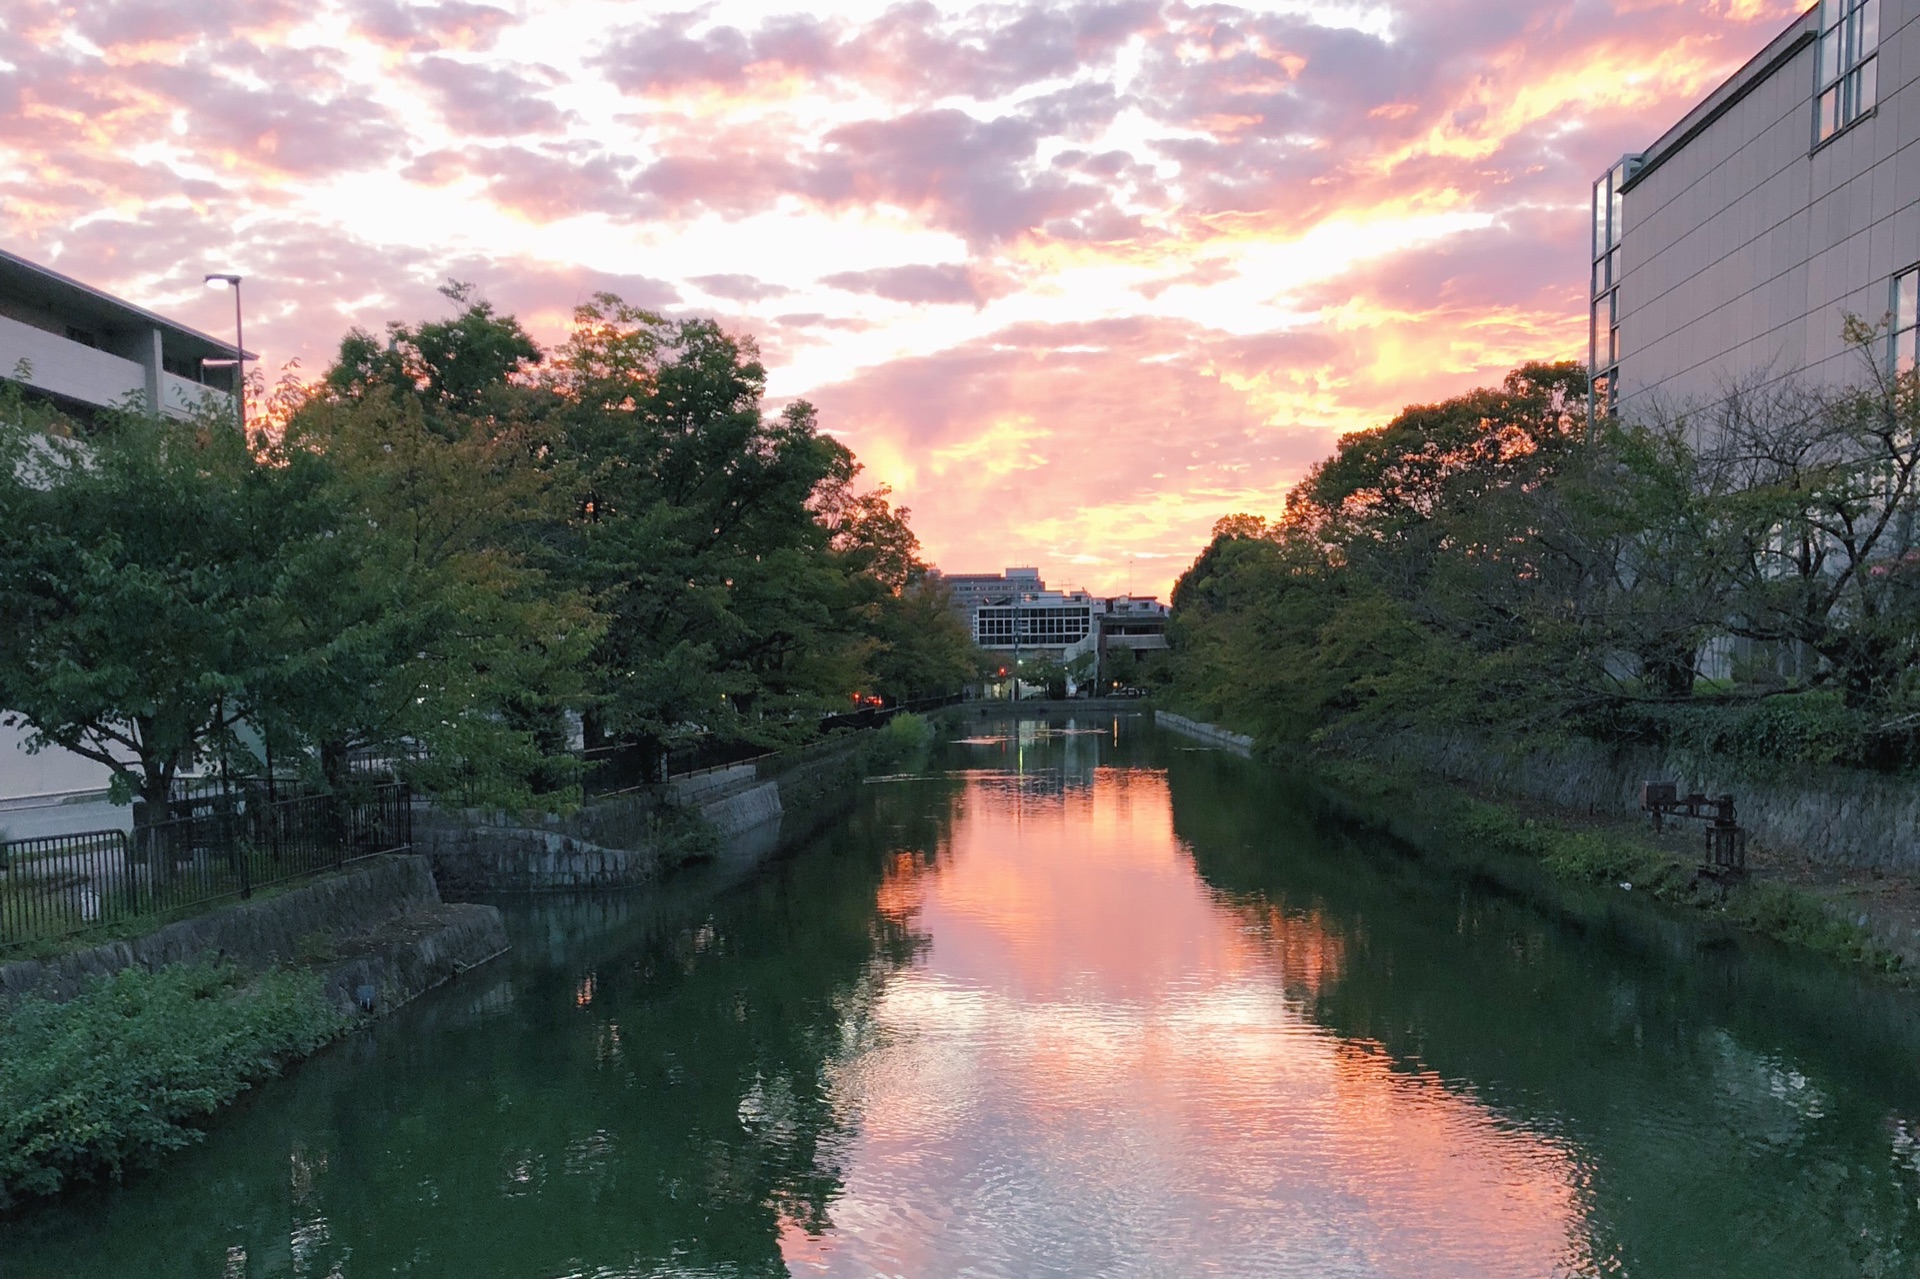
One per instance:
(1600, 203)
(1903, 320)
(1847, 74)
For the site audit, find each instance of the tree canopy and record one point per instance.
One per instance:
(1495, 560)
(459, 550)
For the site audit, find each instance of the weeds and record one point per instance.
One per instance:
(113, 1079)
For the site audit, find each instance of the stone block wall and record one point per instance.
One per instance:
(1213, 734)
(1840, 816)
(481, 852)
(384, 914)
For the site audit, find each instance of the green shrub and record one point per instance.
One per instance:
(115, 1078)
(1815, 727)
(1776, 911)
(898, 739)
(1591, 856)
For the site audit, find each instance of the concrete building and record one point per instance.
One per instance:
(971, 590)
(1014, 613)
(1731, 250)
(86, 350)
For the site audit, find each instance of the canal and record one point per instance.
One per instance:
(1078, 999)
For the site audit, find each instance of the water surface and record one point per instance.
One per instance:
(1073, 999)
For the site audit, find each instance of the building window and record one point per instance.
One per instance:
(1603, 342)
(1903, 321)
(1849, 34)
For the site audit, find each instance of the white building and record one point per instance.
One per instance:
(86, 350)
(1014, 614)
(1733, 248)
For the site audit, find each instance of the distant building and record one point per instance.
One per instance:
(1733, 248)
(1135, 622)
(86, 350)
(1014, 613)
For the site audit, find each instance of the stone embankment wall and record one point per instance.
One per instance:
(740, 813)
(474, 851)
(1212, 734)
(1840, 816)
(380, 924)
(1843, 817)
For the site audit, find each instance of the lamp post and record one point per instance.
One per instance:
(222, 280)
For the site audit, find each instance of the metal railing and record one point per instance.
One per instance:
(221, 846)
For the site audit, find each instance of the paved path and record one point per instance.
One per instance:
(64, 819)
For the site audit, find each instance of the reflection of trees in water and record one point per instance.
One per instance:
(1724, 1125)
(665, 1109)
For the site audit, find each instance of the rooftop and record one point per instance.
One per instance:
(22, 278)
(1782, 47)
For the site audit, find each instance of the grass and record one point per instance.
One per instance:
(1455, 820)
(126, 927)
(110, 1081)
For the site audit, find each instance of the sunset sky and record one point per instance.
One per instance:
(1076, 279)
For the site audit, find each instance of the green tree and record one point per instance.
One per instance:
(460, 367)
(694, 527)
(414, 625)
(139, 565)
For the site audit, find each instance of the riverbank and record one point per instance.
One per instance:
(741, 813)
(118, 1052)
(113, 1055)
(1865, 918)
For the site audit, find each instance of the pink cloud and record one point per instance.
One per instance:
(1142, 144)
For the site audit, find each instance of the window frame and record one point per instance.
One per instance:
(1607, 253)
(1903, 322)
(1846, 67)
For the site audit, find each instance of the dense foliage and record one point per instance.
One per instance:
(446, 548)
(1747, 580)
(121, 1074)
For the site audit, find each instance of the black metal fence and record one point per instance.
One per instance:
(213, 845)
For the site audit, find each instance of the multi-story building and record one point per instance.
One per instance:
(1733, 249)
(1014, 613)
(87, 350)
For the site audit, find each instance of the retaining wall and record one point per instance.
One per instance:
(1212, 734)
(1838, 816)
(742, 813)
(380, 923)
(473, 851)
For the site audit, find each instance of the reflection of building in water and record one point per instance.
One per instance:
(1053, 758)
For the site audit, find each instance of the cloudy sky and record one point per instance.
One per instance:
(1076, 279)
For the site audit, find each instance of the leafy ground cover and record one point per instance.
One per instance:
(108, 1082)
(1592, 852)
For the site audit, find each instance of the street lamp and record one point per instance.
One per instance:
(221, 280)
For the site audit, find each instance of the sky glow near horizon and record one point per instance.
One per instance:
(1075, 279)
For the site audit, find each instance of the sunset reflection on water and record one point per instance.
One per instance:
(1099, 1065)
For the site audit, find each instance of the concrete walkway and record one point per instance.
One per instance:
(35, 818)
